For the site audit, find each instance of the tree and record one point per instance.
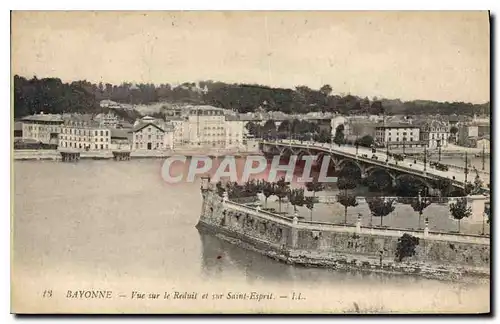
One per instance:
(314, 186)
(220, 188)
(453, 132)
(267, 190)
(309, 203)
(381, 207)
(346, 183)
(406, 246)
(444, 185)
(377, 108)
(365, 141)
(281, 190)
(346, 200)
(269, 128)
(419, 205)
(460, 210)
(339, 135)
(296, 198)
(326, 90)
(253, 128)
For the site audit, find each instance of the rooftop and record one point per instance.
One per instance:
(44, 118)
(119, 133)
(395, 125)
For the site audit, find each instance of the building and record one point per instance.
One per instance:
(234, 132)
(397, 135)
(109, 120)
(465, 133)
(152, 135)
(180, 135)
(121, 139)
(88, 136)
(206, 127)
(44, 128)
(435, 133)
(483, 143)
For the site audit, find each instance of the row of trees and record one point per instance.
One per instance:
(379, 206)
(53, 96)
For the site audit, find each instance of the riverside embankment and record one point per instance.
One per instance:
(348, 247)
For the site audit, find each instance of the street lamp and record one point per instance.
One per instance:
(425, 158)
(486, 212)
(483, 156)
(466, 171)
(439, 144)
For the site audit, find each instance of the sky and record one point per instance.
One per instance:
(442, 56)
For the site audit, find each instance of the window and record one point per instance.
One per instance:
(136, 145)
(149, 137)
(106, 146)
(106, 133)
(95, 145)
(102, 146)
(102, 133)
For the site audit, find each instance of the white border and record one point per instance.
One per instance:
(185, 5)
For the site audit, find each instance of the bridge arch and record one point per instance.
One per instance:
(342, 166)
(301, 153)
(411, 179)
(286, 151)
(370, 170)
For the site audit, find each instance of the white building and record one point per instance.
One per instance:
(435, 133)
(206, 127)
(43, 128)
(397, 135)
(109, 120)
(89, 136)
(234, 132)
(148, 135)
(181, 131)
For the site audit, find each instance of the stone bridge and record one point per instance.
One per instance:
(366, 162)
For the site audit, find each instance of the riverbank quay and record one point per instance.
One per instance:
(55, 155)
(437, 255)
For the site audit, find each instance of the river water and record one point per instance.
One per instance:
(119, 226)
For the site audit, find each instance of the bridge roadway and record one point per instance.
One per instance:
(407, 165)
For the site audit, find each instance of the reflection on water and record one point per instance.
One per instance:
(114, 221)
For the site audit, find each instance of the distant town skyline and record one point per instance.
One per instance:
(441, 56)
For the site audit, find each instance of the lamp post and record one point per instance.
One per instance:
(419, 207)
(466, 171)
(425, 158)
(439, 149)
(357, 147)
(486, 212)
(483, 157)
